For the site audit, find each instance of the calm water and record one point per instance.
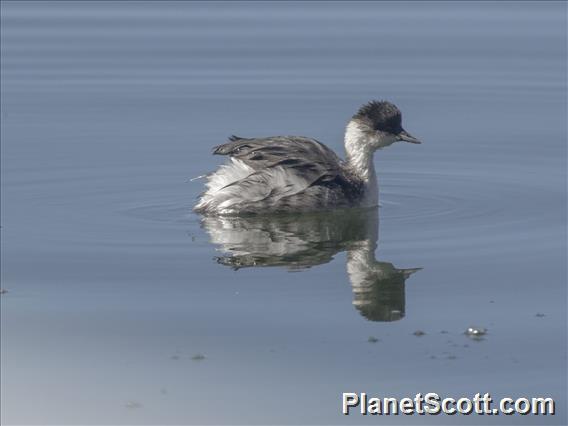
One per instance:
(108, 109)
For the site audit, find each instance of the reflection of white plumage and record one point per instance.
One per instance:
(294, 173)
(302, 241)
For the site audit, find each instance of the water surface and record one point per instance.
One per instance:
(108, 111)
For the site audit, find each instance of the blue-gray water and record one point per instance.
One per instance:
(108, 109)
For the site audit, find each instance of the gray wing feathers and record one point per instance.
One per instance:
(285, 173)
(294, 151)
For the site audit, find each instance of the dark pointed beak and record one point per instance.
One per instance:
(407, 137)
(408, 272)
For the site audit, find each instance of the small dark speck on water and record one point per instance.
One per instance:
(132, 405)
(475, 332)
(372, 339)
(452, 357)
(540, 315)
(198, 357)
(174, 357)
(3, 291)
(444, 332)
(419, 333)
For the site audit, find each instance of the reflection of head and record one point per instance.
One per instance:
(301, 241)
(379, 295)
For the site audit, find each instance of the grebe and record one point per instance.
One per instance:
(282, 174)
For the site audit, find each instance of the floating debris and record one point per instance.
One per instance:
(131, 405)
(476, 332)
(176, 357)
(444, 332)
(372, 339)
(419, 333)
(452, 357)
(433, 357)
(3, 291)
(198, 357)
(540, 315)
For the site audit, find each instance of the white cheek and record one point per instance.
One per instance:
(384, 139)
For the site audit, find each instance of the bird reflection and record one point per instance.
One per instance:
(301, 241)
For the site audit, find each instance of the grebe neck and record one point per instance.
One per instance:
(359, 159)
(359, 152)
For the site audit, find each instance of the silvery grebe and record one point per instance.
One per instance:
(297, 174)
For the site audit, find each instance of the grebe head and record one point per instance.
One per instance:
(376, 125)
